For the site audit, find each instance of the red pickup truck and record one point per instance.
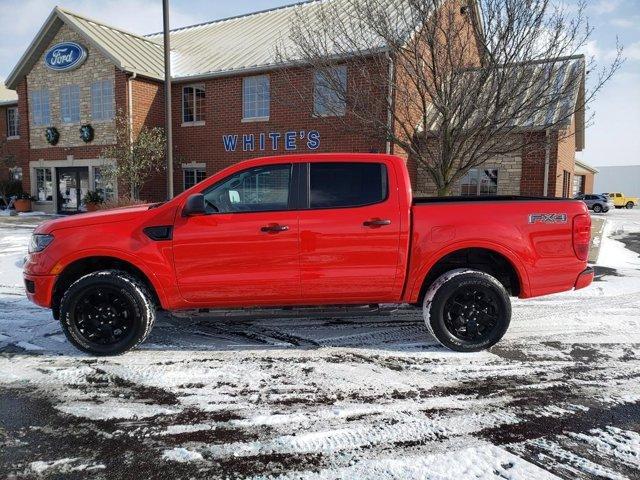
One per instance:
(307, 230)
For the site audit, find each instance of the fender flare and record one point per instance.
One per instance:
(511, 256)
(64, 263)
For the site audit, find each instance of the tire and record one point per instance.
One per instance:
(442, 310)
(629, 205)
(597, 208)
(107, 313)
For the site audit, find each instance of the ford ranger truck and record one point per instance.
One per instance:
(307, 230)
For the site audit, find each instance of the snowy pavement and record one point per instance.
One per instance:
(369, 395)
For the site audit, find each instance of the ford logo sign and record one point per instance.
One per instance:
(65, 56)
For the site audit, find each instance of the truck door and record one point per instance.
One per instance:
(349, 234)
(244, 251)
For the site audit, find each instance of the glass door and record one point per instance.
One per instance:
(73, 185)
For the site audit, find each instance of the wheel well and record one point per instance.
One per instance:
(482, 259)
(82, 267)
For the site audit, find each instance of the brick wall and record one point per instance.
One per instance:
(566, 157)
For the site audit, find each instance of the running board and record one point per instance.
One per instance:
(290, 312)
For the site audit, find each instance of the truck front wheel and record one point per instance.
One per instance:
(107, 313)
(467, 310)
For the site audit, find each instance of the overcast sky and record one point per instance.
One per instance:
(613, 139)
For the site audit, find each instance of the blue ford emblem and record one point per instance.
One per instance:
(65, 56)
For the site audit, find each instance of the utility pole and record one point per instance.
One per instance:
(167, 98)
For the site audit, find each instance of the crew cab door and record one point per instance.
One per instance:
(244, 251)
(349, 234)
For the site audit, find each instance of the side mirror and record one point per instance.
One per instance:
(194, 206)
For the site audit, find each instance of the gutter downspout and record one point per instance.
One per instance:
(389, 101)
(547, 157)
(130, 87)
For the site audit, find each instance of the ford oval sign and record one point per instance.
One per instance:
(65, 56)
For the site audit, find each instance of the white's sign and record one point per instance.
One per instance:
(290, 141)
(65, 56)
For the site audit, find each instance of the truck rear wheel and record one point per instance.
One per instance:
(629, 205)
(107, 313)
(467, 310)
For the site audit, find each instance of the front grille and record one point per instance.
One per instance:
(30, 286)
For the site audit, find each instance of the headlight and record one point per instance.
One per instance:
(39, 242)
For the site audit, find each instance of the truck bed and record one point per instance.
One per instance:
(485, 198)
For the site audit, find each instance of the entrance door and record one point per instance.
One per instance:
(73, 185)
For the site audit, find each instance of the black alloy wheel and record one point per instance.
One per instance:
(597, 208)
(471, 314)
(107, 312)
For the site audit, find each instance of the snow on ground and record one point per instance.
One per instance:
(368, 395)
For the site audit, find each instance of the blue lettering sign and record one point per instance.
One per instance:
(275, 137)
(230, 142)
(313, 140)
(248, 142)
(65, 56)
(290, 140)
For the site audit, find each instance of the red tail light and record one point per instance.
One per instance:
(582, 235)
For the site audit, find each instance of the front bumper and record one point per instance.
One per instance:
(39, 288)
(584, 279)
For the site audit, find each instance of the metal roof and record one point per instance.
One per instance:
(7, 97)
(250, 42)
(548, 92)
(128, 51)
(585, 166)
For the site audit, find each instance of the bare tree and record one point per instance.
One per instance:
(452, 83)
(136, 157)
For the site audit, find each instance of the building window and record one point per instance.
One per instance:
(40, 108)
(12, 122)
(193, 104)
(479, 182)
(578, 184)
(102, 186)
(566, 183)
(70, 104)
(102, 100)
(329, 92)
(193, 176)
(44, 185)
(256, 98)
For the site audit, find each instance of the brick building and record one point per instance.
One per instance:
(229, 104)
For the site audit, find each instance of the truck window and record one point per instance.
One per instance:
(339, 185)
(258, 189)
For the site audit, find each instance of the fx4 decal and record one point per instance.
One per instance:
(548, 218)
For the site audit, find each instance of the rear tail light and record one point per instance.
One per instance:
(582, 235)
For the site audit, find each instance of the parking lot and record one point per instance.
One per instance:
(359, 395)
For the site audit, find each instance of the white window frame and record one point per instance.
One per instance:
(70, 104)
(196, 171)
(40, 108)
(196, 112)
(102, 101)
(53, 186)
(13, 123)
(253, 107)
(323, 91)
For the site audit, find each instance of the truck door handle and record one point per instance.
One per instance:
(274, 228)
(376, 223)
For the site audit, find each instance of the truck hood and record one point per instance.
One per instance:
(94, 218)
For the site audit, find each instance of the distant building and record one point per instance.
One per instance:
(584, 177)
(625, 179)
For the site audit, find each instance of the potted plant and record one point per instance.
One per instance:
(23, 202)
(93, 200)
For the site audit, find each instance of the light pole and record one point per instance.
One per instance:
(167, 98)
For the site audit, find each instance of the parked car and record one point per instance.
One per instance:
(307, 230)
(620, 200)
(597, 203)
